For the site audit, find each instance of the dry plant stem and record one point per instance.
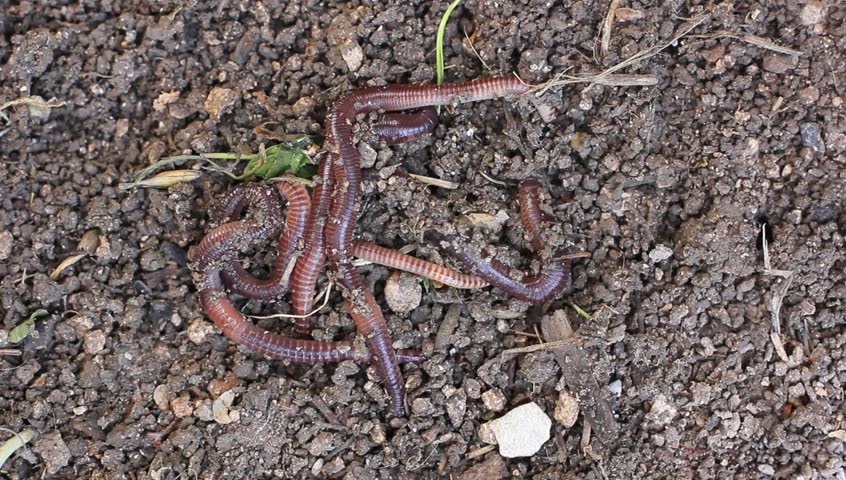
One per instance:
(606, 27)
(346, 199)
(638, 57)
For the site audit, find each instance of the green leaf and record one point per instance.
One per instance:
(25, 328)
(276, 160)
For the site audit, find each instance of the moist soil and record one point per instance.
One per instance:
(698, 361)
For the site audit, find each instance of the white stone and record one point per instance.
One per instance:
(352, 54)
(812, 13)
(616, 388)
(660, 253)
(522, 431)
(662, 412)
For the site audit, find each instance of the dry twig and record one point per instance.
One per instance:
(608, 74)
(606, 28)
(777, 300)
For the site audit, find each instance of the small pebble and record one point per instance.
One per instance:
(616, 387)
(456, 404)
(422, 407)
(486, 220)
(403, 292)
(220, 385)
(662, 412)
(809, 95)
(779, 63)
(766, 469)
(812, 137)
(317, 467)
(303, 106)
(660, 253)
(27, 370)
(367, 154)
(377, 435)
(94, 342)
(198, 330)
(566, 409)
(494, 399)
(486, 433)
(812, 13)
(352, 54)
(53, 450)
(493, 467)
(522, 431)
(181, 406)
(220, 101)
(5, 244)
(221, 409)
(203, 410)
(322, 444)
(162, 397)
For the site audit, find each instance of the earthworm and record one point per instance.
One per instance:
(392, 128)
(346, 198)
(394, 259)
(531, 216)
(243, 332)
(400, 127)
(240, 235)
(327, 232)
(307, 268)
(276, 284)
(225, 241)
(536, 289)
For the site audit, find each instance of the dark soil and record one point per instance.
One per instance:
(666, 187)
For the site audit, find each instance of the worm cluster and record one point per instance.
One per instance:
(320, 227)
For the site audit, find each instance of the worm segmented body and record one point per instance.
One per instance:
(323, 229)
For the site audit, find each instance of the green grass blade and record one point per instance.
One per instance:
(581, 311)
(439, 42)
(14, 443)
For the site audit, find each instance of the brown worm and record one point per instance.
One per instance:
(531, 216)
(304, 278)
(400, 127)
(243, 332)
(326, 232)
(536, 289)
(276, 284)
(224, 242)
(394, 259)
(346, 198)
